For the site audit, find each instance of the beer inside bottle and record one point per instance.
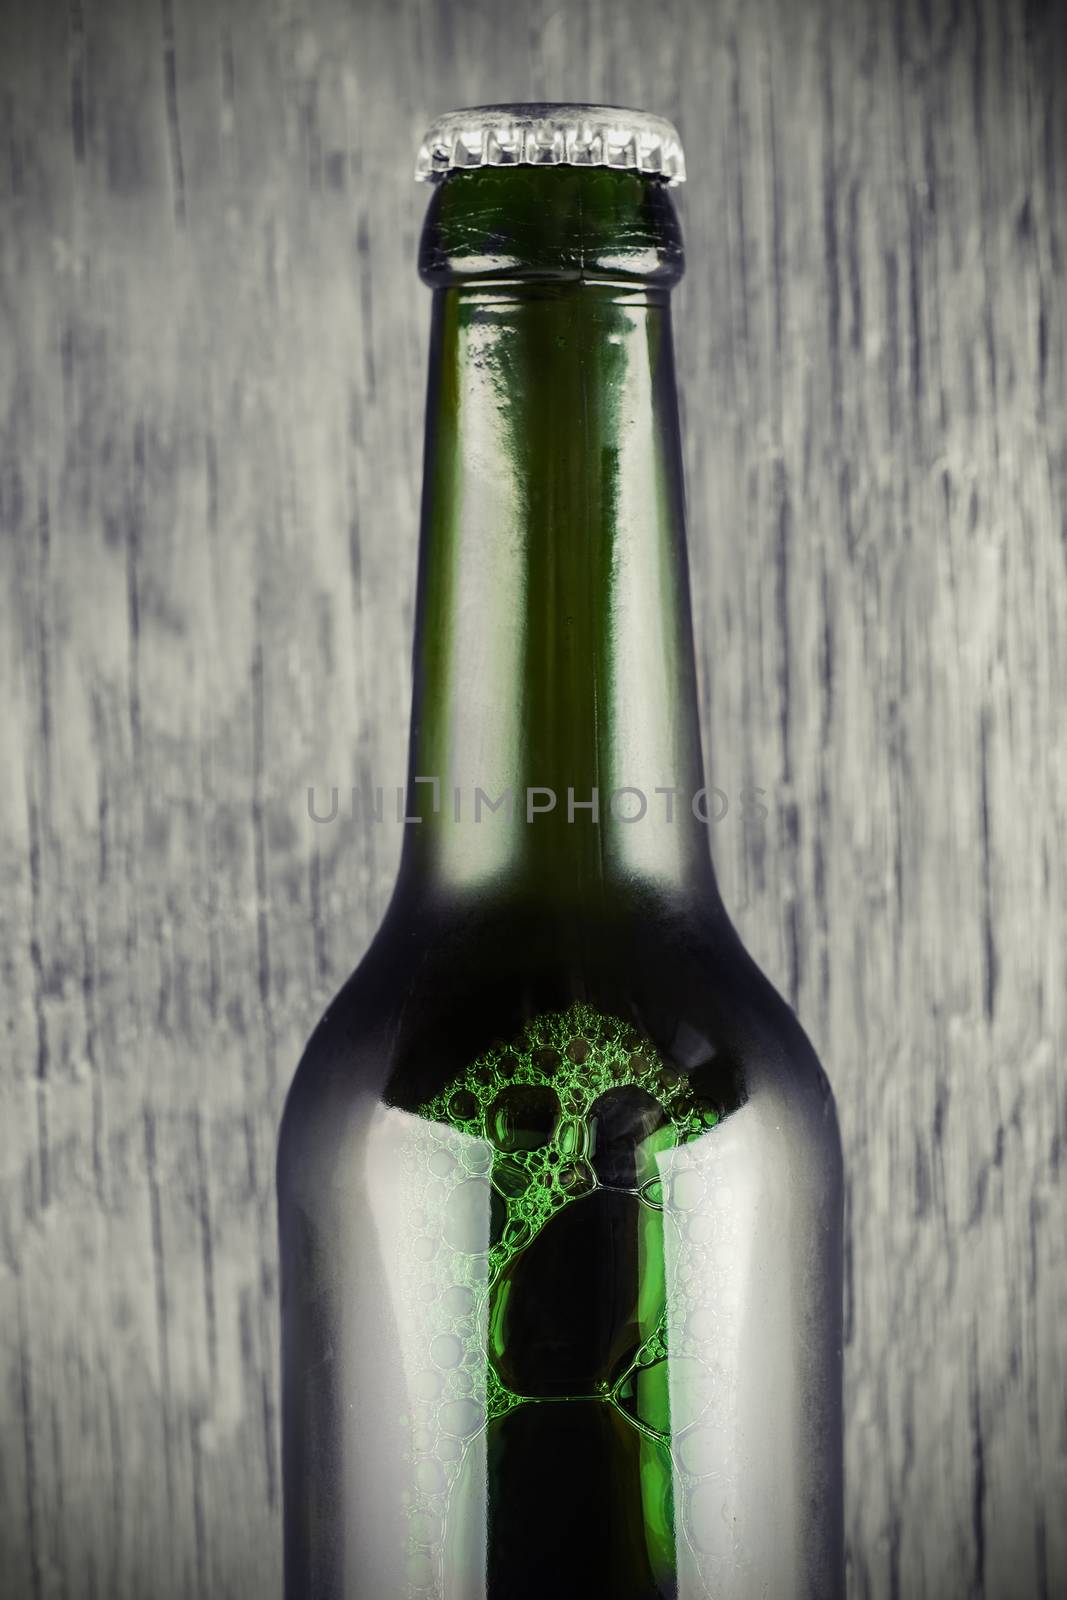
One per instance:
(559, 1174)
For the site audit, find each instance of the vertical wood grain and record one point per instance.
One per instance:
(212, 352)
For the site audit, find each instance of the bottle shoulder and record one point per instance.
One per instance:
(438, 1020)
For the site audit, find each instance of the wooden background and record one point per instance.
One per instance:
(212, 350)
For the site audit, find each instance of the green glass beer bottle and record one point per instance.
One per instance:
(559, 1175)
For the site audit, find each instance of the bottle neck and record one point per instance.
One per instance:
(555, 693)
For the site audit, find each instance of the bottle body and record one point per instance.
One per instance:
(559, 1175)
(561, 1275)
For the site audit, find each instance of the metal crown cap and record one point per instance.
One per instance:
(551, 135)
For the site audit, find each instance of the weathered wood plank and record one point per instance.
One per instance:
(212, 350)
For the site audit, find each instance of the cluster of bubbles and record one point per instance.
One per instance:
(579, 1102)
